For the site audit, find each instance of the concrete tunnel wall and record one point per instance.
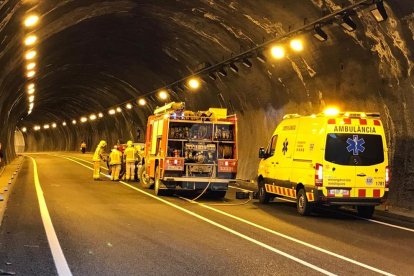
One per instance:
(89, 65)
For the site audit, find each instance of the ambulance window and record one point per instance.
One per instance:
(354, 149)
(272, 146)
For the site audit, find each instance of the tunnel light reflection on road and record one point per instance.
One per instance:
(31, 20)
(30, 54)
(30, 40)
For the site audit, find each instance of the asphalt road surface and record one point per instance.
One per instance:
(86, 227)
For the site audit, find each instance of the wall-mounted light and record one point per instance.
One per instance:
(277, 52)
(142, 102)
(83, 119)
(212, 76)
(379, 13)
(92, 117)
(30, 74)
(234, 68)
(73, 122)
(24, 129)
(128, 106)
(30, 40)
(260, 57)
(296, 45)
(348, 24)
(111, 111)
(100, 114)
(54, 125)
(46, 126)
(320, 34)
(31, 105)
(64, 124)
(31, 20)
(31, 66)
(118, 109)
(222, 72)
(193, 83)
(163, 95)
(246, 62)
(31, 99)
(30, 54)
(30, 91)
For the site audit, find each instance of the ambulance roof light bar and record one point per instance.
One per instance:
(290, 116)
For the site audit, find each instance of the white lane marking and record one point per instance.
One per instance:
(61, 264)
(277, 251)
(343, 213)
(292, 239)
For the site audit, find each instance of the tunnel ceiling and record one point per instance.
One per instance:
(95, 54)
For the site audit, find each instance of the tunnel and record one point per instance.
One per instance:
(96, 55)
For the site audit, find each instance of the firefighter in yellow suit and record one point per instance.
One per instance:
(115, 160)
(97, 157)
(130, 158)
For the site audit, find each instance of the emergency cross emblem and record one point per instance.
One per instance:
(285, 146)
(355, 145)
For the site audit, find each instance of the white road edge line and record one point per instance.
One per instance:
(292, 239)
(277, 251)
(61, 264)
(350, 215)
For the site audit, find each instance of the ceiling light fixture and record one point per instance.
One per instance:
(348, 24)
(379, 13)
(31, 20)
(320, 34)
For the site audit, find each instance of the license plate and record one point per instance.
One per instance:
(334, 192)
(200, 169)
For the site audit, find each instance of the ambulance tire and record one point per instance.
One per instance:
(157, 183)
(143, 180)
(366, 211)
(303, 206)
(263, 196)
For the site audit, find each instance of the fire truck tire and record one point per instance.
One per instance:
(157, 183)
(144, 181)
(303, 206)
(366, 211)
(263, 196)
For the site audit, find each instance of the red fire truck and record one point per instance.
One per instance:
(187, 150)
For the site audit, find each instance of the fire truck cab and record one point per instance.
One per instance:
(187, 150)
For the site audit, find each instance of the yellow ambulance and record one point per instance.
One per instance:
(333, 158)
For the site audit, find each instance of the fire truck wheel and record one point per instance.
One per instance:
(157, 183)
(303, 206)
(366, 211)
(144, 180)
(263, 196)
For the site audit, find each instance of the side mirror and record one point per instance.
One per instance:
(262, 153)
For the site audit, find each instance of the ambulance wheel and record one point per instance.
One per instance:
(366, 211)
(144, 178)
(263, 196)
(302, 203)
(157, 184)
